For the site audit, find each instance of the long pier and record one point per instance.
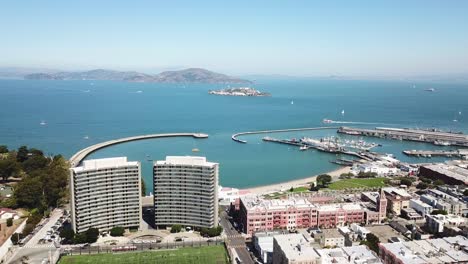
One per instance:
(334, 151)
(429, 136)
(76, 159)
(460, 153)
(234, 137)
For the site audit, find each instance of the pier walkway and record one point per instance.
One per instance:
(429, 136)
(234, 137)
(460, 153)
(76, 159)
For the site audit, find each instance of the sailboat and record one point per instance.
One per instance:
(292, 102)
(342, 112)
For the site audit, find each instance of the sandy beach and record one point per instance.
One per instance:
(295, 183)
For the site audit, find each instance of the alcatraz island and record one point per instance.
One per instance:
(240, 91)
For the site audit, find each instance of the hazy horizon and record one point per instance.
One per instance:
(372, 39)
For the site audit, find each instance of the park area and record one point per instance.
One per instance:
(209, 254)
(357, 183)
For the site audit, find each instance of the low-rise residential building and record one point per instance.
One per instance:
(263, 244)
(444, 201)
(294, 249)
(421, 207)
(398, 199)
(437, 223)
(331, 238)
(258, 214)
(441, 250)
(348, 255)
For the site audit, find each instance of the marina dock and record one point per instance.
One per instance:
(460, 153)
(433, 136)
(234, 137)
(366, 156)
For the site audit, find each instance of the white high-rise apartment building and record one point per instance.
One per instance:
(106, 193)
(185, 192)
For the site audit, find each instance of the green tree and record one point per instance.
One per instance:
(80, 238)
(439, 182)
(117, 231)
(406, 181)
(16, 237)
(92, 235)
(211, 232)
(67, 234)
(3, 149)
(143, 187)
(55, 181)
(35, 162)
(176, 228)
(465, 192)
(9, 222)
(372, 242)
(422, 185)
(8, 168)
(28, 192)
(22, 154)
(439, 211)
(323, 180)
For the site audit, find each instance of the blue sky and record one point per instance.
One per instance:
(354, 38)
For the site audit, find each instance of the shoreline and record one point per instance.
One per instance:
(282, 186)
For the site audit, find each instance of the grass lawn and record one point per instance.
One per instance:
(357, 183)
(209, 254)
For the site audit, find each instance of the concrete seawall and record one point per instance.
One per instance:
(234, 137)
(76, 159)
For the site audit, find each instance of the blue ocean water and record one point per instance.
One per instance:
(81, 113)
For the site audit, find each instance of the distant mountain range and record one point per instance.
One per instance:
(191, 75)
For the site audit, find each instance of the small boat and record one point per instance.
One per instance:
(292, 102)
(429, 90)
(43, 123)
(85, 137)
(139, 91)
(342, 112)
(327, 121)
(455, 120)
(304, 147)
(195, 150)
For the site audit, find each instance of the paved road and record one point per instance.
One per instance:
(235, 240)
(34, 251)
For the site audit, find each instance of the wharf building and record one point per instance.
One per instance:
(185, 192)
(105, 193)
(257, 214)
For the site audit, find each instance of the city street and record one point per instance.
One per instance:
(34, 251)
(235, 240)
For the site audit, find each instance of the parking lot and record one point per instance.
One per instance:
(384, 232)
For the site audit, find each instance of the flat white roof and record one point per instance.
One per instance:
(296, 247)
(256, 202)
(96, 164)
(185, 160)
(429, 250)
